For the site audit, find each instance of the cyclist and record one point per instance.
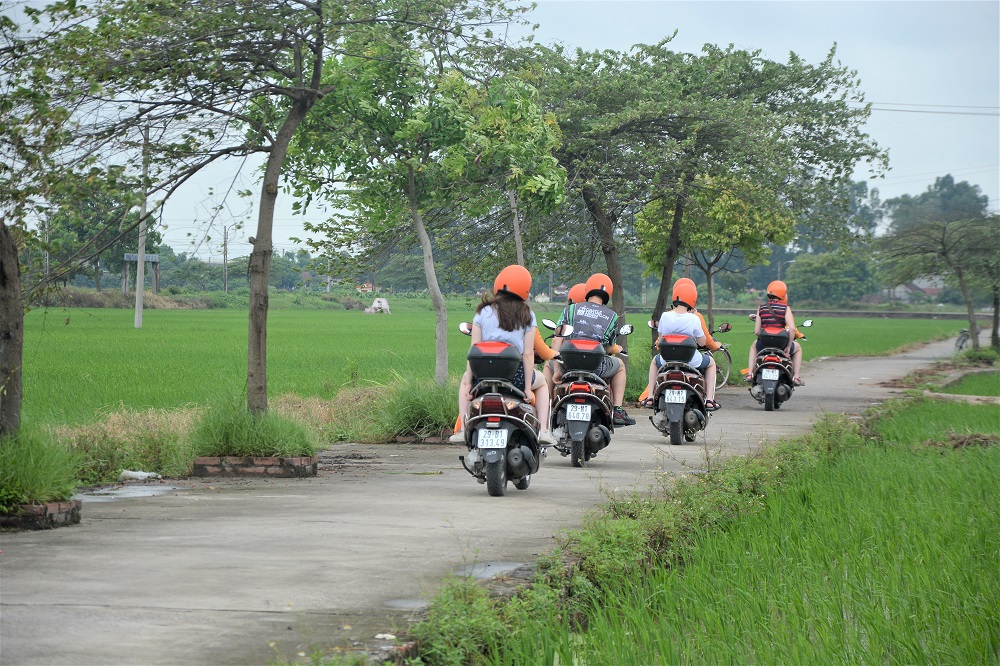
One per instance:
(592, 319)
(682, 320)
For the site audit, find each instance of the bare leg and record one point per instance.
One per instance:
(618, 386)
(542, 405)
(465, 395)
(652, 377)
(710, 380)
(750, 361)
(796, 360)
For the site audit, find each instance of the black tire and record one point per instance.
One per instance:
(522, 484)
(690, 435)
(961, 342)
(769, 402)
(676, 433)
(723, 365)
(578, 455)
(496, 478)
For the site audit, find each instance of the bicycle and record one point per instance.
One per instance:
(723, 364)
(963, 340)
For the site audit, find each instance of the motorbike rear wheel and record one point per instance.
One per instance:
(578, 454)
(769, 402)
(496, 478)
(676, 433)
(523, 483)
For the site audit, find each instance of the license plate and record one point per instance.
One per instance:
(577, 412)
(675, 396)
(493, 439)
(769, 373)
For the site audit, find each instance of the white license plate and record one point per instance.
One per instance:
(493, 439)
(675, 396)
(577, 412)
(769, 373)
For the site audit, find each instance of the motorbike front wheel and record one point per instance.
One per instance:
(496, 478)
(676, 433)
(577, 455)
(523, 483)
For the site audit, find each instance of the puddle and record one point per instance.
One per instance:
(113, 493)
(406, 604)
(485, 570)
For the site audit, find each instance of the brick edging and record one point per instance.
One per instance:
(43, 516)
(270, 466)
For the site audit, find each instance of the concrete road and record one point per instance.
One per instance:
(235, 571)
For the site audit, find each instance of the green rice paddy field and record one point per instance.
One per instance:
(82, 363)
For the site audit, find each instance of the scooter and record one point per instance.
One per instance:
(772, 384)
(501, 431)
(679, 393)
(582, 418)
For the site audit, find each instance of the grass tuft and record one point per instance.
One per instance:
(34, 468)
(229, 429)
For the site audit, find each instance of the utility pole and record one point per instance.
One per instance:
(140, 269)
(225, 259)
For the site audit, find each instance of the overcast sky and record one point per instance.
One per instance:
(930, 69)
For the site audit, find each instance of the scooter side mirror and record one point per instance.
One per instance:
(725, 327)
(626, 329)
(549, 324)
(653, 324)
(564, 331)
(465, 327)
(807, 323)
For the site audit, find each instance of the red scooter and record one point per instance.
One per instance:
(679, 393)
(501, 431)
(772, 383)
(582, 418)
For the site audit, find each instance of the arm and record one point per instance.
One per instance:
(710, 342)
(542, 350)
(528, 358)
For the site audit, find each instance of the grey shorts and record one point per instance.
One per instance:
(609, 366)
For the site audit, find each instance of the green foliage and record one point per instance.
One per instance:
(981, 356)
(837, 278)
(977, 383)
(420, 408)
(942, 421)
(34, 468)
(461, 621)
(229, 429)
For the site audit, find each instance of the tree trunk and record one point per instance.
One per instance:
(518, 243)
(605, 224)
(260, 259)
(440, 311)
(11, 335)
(995, 334)
(970, 307)
(673, 251)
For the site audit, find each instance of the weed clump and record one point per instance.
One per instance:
(34, 468)
(230, 429)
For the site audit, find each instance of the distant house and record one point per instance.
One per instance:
(917, 290)
(368, 288)
(561, 290)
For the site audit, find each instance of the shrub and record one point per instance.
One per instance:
(982, 356)
(34, 468)
(229, 429)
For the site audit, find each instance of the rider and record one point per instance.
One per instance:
(682, 320)
(711, 344)
(506, 317)
(776, 313)
(594, 320)
(577, 294)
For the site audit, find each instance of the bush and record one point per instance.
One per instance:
(231, 430)
(982, 356)
(34, 468)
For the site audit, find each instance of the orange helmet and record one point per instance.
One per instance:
(514, 280)
(686, 293)
(599, 284)
(778, 290)
(577, 293)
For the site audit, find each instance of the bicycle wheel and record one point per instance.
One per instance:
(723, 364)
(962, 340)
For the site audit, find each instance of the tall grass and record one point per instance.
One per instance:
(977, 383)
(34, 468)
(227, 428)
(81, 365)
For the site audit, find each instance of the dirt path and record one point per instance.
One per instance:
(239, 571)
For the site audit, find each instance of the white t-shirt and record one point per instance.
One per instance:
(487, 320)
(687, 323)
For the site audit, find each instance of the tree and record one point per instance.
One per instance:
(410, 138)
(840, 277)
(215, 79)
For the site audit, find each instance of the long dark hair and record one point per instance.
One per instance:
(511, 311)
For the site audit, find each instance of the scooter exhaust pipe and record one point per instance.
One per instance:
(598, 437)
(521, 462)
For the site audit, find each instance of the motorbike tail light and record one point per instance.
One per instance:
(492, 404)
(510, 404)
(493, 419)
(675, 376)
(580, 387)
(772, 359)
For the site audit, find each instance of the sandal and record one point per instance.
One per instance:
(712, 405)
(647, 403)
(798, 382)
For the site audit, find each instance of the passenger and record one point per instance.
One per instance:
(506, 317)
(682, 320)
(594, 320)
(577, 294)
(776, 313)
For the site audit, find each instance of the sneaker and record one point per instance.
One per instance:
(458, 437)
(545, 438)
(621, 418)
